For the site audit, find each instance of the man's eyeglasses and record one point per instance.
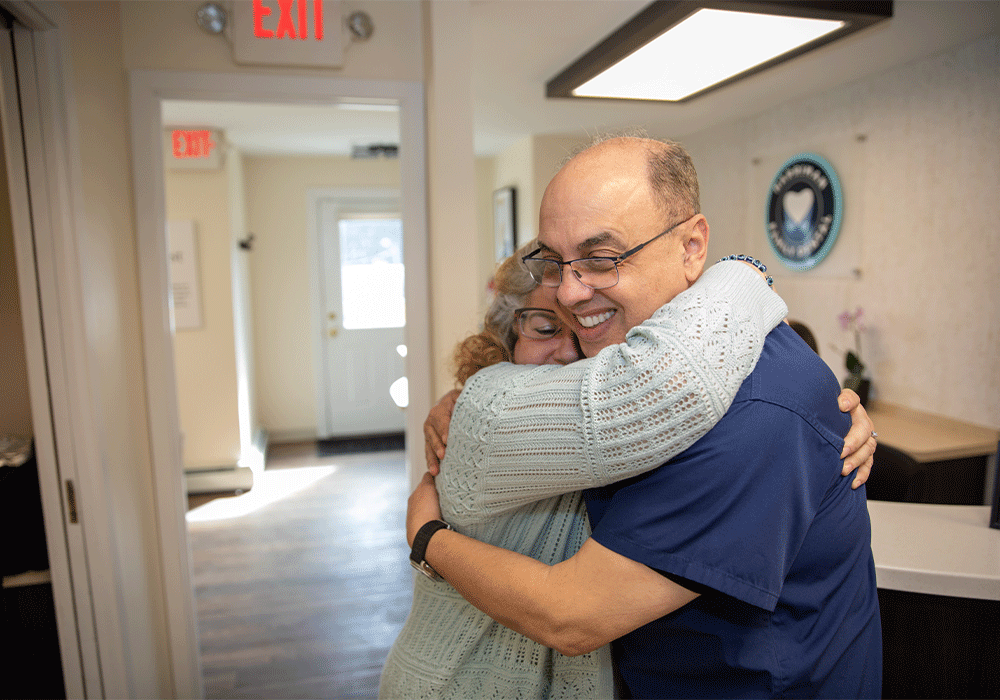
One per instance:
(595, 272)
(539, 324)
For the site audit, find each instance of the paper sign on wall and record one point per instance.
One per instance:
(185, 291)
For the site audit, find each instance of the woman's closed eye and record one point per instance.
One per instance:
(539, 324)
(544, 328)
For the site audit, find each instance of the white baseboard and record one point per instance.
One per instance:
(235, 479)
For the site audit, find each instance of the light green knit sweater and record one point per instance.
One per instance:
(524, 441)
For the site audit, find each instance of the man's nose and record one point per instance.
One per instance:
(571, 290)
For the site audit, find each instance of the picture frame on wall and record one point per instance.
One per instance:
(504, 222)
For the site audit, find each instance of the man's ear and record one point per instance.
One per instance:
(695, 249)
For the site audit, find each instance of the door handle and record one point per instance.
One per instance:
(71, 502)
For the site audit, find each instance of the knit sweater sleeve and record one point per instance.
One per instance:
(523, 433)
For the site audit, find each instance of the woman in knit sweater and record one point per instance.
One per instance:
(448, 648)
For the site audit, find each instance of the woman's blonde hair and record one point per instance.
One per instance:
(495, 343)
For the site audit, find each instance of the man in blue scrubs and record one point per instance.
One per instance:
(743, 567)
(754, 517)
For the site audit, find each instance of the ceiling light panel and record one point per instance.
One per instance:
(708, 47)
(677, 50)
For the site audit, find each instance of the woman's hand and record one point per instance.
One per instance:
(859, 445)
(436, 430)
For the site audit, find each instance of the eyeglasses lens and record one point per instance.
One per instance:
(539, 325)
(596, 273)
(545, 272)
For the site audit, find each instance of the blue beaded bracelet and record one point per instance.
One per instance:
(753, 261)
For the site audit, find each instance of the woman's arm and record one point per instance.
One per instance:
(522, 434)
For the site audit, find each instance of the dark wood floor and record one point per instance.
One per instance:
(303, 587)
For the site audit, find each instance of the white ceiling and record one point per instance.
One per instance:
(521, 44)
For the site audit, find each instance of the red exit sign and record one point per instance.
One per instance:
(193, 149)
(288, 32)
(191, 144)
(292, 21)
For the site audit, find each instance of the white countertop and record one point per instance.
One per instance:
(936, 549)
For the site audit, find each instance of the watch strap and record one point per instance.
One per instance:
(419, 550)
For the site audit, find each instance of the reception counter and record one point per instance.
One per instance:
(936, 549)
(938, 573)
(937, 566)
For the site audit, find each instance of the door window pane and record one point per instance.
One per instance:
(371, 273)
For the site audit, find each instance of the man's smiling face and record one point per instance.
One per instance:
(601, 204)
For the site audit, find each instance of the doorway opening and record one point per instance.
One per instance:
(150, 89)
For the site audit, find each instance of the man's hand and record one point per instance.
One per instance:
(436, 430)
(422, 507)
(859, 445)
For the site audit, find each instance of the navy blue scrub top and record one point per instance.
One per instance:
(757, 517)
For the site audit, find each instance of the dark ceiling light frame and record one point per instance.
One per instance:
(660, 16)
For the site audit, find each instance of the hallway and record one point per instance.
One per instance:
(302, 584)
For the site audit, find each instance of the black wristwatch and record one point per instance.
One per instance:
(419, 551)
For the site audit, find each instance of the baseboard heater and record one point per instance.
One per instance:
(229, 477)
(219, 479)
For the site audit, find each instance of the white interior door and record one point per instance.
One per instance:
(363, 387)
(33, 158)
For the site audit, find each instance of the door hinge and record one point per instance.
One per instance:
(71, 501)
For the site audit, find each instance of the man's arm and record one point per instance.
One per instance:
(574, 607)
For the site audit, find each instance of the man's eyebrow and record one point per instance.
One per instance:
(587, 244)
(597, 240)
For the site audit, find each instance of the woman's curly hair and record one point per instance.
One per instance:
(495, 343)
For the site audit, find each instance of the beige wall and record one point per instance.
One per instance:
(485, 184)
(205, 357)
(281, 298)
(15, 408)
(529, 165)
(919, 212)
(451, 186)
(514, 167)
(246, 386)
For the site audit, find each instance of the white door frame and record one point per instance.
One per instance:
(316, 273)
(148, 90)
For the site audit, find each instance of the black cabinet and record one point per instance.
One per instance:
(939, 646)
(896, 476)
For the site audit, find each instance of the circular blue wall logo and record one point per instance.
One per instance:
(804, 208)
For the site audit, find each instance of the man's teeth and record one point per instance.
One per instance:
(591, 321)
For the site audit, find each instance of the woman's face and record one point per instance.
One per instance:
(552, 343)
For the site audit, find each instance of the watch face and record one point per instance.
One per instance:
(424, 568)
(804, 209)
